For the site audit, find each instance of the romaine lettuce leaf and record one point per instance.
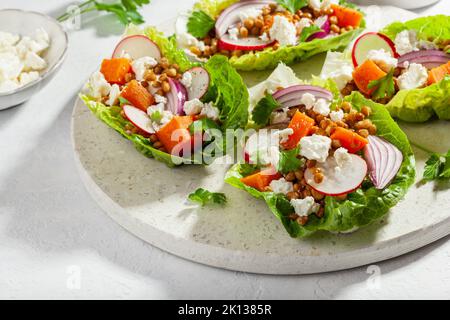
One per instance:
(436, 28)
(270, 58)
(419, 105)
(361, 207)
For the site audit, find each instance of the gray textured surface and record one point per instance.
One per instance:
(50, 228)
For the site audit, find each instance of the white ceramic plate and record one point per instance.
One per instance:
(149, 200)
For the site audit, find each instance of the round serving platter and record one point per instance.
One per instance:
(149, 199)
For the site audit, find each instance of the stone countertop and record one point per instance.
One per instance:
(55, 242)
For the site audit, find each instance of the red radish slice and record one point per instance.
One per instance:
(384, 160)
(137, 46)
(176, 97)
(200, 83)
(338, 182)
(325, 26)
(139, 118)
(230, 15)
(244, 44)
(371, 41)
(428, 58)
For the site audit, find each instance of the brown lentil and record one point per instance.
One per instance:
(157, 144)
(153, 138)
(363, 133)
(333, 20)
(292, 195)
(290, 176)
(243, 31)
(302, 220)
(334, 28)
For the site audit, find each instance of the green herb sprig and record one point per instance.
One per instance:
(293, 5)
(200, 24)
(384, 87)
(204, 197)
(263, 109)
(125, 10)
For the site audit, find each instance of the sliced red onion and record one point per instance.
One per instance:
(230, 15)
(291, 96)
(384, 161)
(176, 98)
(428, 58)
(326, 28)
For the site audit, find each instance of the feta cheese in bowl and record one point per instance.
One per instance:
(32, 48)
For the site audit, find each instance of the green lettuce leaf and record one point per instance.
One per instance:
(419, 105)
(270, 58)
(361, 207)
(431, 28)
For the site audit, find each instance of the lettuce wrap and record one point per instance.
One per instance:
(269, 58)
(226, 90)
(362, 207)
(419, 105)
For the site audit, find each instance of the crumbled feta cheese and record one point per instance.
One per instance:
(281, 186)
(8, 85)
(308, 100)
(414, 77)
(193, 107)
(186, 40)
(315, 4)
(305, 207)
(26, 44)
(210, 111)
(187, 79)
(283, 31)
(315, 147)
(10, 66)
(141, 65)
(28, 77)
(233, 32)
(42, 38)
(321, 4)
(113, 95)
(336, 115)
(97, 86)
(160, 99)
(303, 23)
(284, 134)
(383, 58)
(33, 61)
(279, 116)
(338, 67)
(406, 41)
(164, 116)
(342, 157)
(322, 107)
(8, 39)
(250, 12)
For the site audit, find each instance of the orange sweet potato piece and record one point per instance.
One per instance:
(350, 140)
(347, 17)
(261, 179)
(365, 73)
(115, 70)
(137, 95)
(301, 124)
(176, 132)
(438, 74)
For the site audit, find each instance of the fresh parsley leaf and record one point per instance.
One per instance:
(123, 101)
(203, 197)
(262, 111)
(293, 5)
(308, 32)
(347, 4)
(200, 24)
(289, 162)
(385, 87)
(437, 167)
(203, 124)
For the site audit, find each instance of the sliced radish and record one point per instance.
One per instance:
(384, 160)
(428, 58)
(340, 181)
(137, 46)
(200, 83)
(230, 15)
(371, 41)
(139, 118)
(176, 97)
(244, 44)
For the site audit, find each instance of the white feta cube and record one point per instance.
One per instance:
(315, 147)
(187, 79)
(305, 207)
(34, 62)
(337, 115)
(281, 186)
(283, 31)
(308, 100)
(322, 107)
(406, 41)
(210, 111)
(193, 107)
(113, 95)
(28, 77)
(141, 65)
(383, 58)
(414, 77)
(97, 86)
(342, 157)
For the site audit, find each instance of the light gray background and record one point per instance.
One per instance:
(55, 242)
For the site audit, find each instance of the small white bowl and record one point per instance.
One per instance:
(25, 23)
(405, 4)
